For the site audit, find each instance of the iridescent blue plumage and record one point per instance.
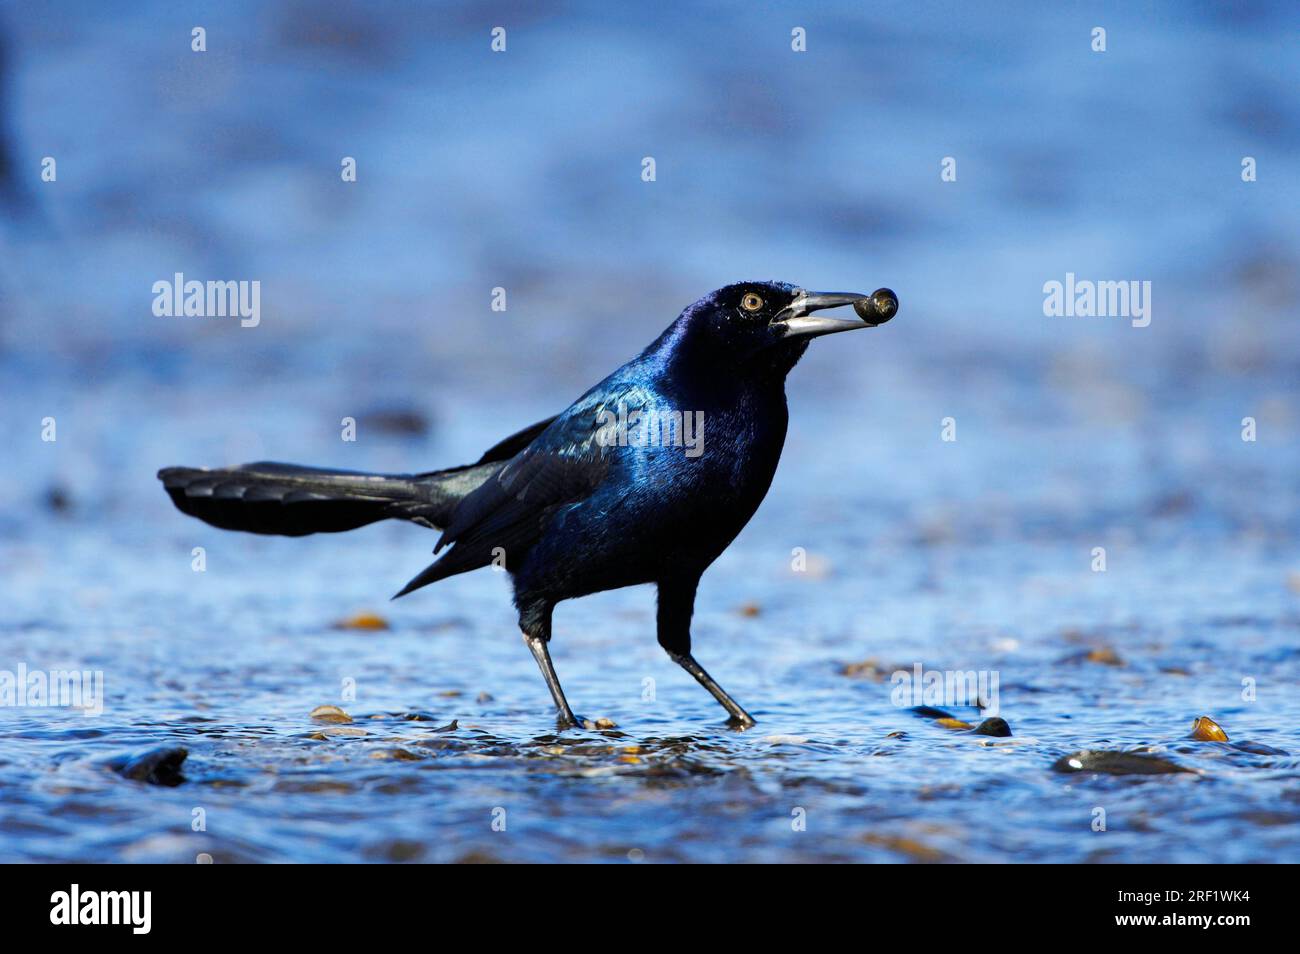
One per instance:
(646, 478)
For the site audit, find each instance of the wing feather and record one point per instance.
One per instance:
(562, 465)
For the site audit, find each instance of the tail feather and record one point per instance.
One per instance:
(290, 500)
(293, 501)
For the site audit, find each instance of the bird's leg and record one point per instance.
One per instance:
(740, 719)
(566, 719)
(536, 626)
(676, 604)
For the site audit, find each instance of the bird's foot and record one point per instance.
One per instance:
(571, 721)
(741, 722)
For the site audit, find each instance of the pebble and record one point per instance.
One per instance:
(994, 726)
(365, 621)
(1116, 763)
(1103, 655)
(911, 847)
(330, 714)
(398, 755)
(160, 766)
(1206, 729)
(345, 730)
(867, 669)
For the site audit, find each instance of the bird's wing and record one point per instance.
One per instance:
(562, 465)
(502, 450)
(512, 445)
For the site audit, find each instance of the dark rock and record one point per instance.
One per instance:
(1116, 763)
(1257, 748)
(993, 726)
(160, 766)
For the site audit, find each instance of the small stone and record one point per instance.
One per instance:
(160, 766)
(1116, 763)
(994, 726)
(1257, 748)
(1206, 729)
(366, 621)
(911, 847)
(750, 610)
(866, 669)
(949, 723)
(398, 851)
(1102, 655)
(603, 723)
(399, 755)
(330, 714)
(1105, 655)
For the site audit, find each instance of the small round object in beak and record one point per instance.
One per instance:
(879, 308)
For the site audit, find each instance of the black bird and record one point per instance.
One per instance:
(646, 478)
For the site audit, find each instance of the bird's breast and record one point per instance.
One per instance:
(722, 467)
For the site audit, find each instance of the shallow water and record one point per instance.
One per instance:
(968, 555)
(229, 663)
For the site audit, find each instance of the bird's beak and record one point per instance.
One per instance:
(796, 320)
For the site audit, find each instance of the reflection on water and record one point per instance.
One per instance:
(524, 172)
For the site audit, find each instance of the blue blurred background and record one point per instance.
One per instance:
(523, 170)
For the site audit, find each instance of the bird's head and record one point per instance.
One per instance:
(765, 327)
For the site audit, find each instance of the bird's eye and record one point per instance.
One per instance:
(751, 302)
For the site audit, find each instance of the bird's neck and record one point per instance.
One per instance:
(681, 359)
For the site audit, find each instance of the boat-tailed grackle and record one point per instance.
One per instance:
(646, 478)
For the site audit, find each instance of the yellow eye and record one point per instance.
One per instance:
(751, 302)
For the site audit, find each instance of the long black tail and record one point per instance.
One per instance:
(293, 501)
